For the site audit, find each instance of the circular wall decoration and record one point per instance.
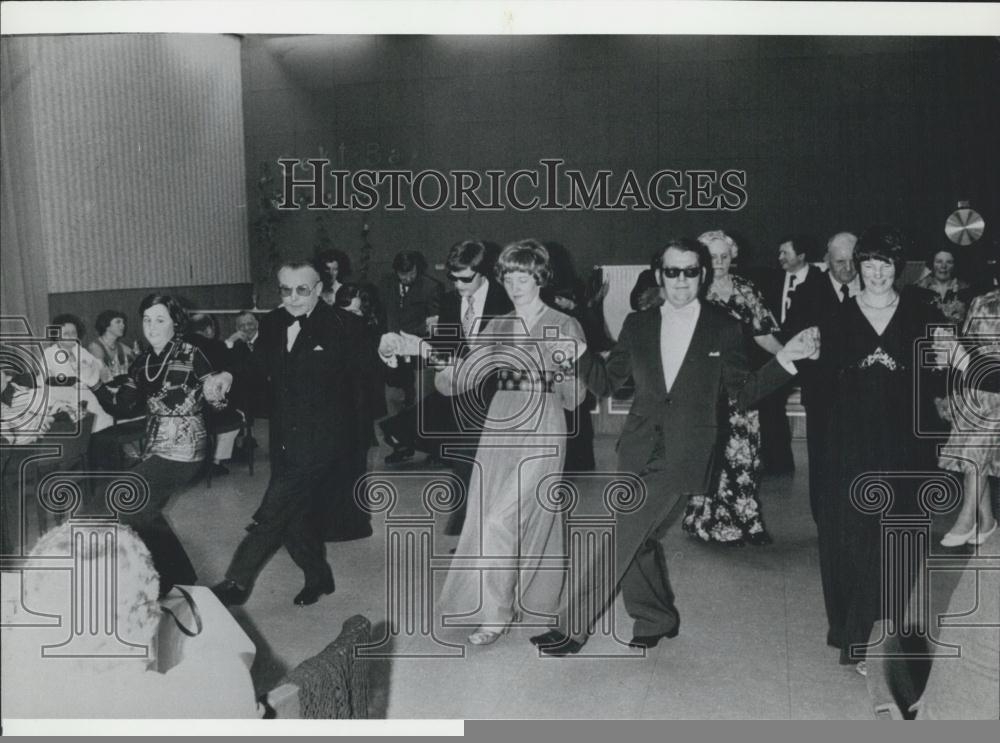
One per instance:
(965, 225)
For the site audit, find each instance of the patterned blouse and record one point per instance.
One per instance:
(169, 386)
(952, 304)
(747, 305)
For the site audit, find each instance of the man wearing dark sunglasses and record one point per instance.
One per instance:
(685, 358)
(475, 299)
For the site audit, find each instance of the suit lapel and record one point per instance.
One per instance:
(651, 337)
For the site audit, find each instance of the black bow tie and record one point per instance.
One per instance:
(292, 319)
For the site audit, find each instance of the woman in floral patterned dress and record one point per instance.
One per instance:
(731, 514)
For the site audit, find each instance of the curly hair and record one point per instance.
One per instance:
(706, 238)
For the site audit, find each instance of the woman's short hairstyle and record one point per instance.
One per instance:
(471, 254)
(66, 318)
(136, 588)
(944, 247)
(882, 243)
(528, 256)
(707, 238)
(329, 256)
(177, 313)
(105, 319)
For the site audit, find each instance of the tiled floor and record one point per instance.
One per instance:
(751, 643)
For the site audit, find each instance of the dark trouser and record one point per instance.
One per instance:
(164, 477)
(817, 422)
(640, 565)
(775, 432)
(286, 517)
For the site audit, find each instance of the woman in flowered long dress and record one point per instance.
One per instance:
(732, 514)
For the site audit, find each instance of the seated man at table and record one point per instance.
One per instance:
(211, 679)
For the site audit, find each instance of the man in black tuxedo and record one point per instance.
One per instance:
(781, 290)
(685, 358)
(818, 303)
(306, 362)
(432, 425)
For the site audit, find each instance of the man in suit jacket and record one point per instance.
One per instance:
(412, 303)
(782, 290)
(432, 424)
(818, 302)
(685, 358)
(306, 362)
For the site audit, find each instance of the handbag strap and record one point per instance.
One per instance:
(194, 612)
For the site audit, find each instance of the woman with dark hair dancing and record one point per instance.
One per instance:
(171, 381)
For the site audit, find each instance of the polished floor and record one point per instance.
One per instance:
(751, 644)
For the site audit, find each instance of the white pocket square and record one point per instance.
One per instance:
(318, 348)
(713, 353)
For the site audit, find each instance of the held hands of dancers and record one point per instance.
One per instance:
(215, 387)
(803, 345)
(393, 345)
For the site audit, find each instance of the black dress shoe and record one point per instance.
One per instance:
(552, 637)
(556, 644)
(399, 455)
(230, 593)
(310, 594)
(560, 650)
(651, 641)
(218, 470)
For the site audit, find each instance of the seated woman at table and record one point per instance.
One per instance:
(108, 347)
(210, 679)
(71, 370)
(171, 382)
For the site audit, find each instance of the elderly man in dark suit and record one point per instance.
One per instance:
(685, 357)
(816, 303)
(432, 425)
(306, 362)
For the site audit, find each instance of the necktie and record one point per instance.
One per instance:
(845, 293)
(469, 318)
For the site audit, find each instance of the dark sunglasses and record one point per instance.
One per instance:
(692, 272)
(463, 279)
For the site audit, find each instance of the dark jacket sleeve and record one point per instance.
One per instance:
(745, 386)
(605, 376)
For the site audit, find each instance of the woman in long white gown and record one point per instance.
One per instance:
(508, 562)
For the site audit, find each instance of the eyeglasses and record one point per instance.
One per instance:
(462, 279)
(692, 272)
(302, 291)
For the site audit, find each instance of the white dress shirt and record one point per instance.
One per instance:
(787, 291)
(853, 287)
(676, 330)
